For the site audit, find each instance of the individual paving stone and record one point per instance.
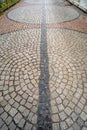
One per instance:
(80, 122)
(23, 101)
(1, 122)
(67, 14)
(18, 117)
(62, 115)
(16, 105)
(34, 109)
(34, 119)
(13, 112)
(13, 94)
(18, 98)
(7, 97)
(65, 102)
(3, 103)
(83, 116)
(54, 95)
(21, 123)
(26, 113)
(4, 127)
(58, 100)
(54, 109)
(28, 126)
(19, 14)
(68, 111)
(25, 96)
(76, 126)
(28, 105)
(21, 108)
(30, 116)
(11, 101)
(63, 126)
(61, 107)
(69, 121)
(7, 107)
(8, 120)
(55, 118)
(4, 116)
(74, 116)
(77, 110)
(12, 126)
(1, 110)
(56, 126)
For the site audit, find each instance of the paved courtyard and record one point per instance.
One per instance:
(43, 66)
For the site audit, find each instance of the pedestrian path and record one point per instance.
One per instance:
(43, 66)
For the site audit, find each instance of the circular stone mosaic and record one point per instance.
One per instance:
(20, 70)
(33, 15)
(67, 52)
(29, 14)
(56, 14)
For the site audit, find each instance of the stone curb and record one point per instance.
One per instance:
(84, 8)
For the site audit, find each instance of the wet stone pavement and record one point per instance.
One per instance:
(43, 66)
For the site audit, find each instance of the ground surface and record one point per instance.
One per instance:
(43, 66)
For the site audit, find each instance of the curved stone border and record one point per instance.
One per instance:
(19, 15)
(21, 66)
(67, 14)
(20, 60)
(26, 15)
(78, 4)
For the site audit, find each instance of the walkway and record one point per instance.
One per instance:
(43, 66)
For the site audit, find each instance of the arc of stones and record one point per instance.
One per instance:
(34, 13)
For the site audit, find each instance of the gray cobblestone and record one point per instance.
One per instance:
(76, 127)
(12, 126)
(83, 116)
(63, 125)
(4, 127)
(27, 126)
(21, 123)
(55, 126)
(18, 117)
(8, 120)
(4, 116)
(1, 123)
(12, 112)
(62, 115)
(27, 63)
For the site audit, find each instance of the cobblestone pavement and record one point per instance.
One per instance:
(43, 66)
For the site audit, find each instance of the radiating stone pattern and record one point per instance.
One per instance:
(67, 52)
(56, 14)
(32, 14)
(29, 14)
(20, 73)
(19, 77)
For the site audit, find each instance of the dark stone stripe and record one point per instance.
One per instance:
(44, 109)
